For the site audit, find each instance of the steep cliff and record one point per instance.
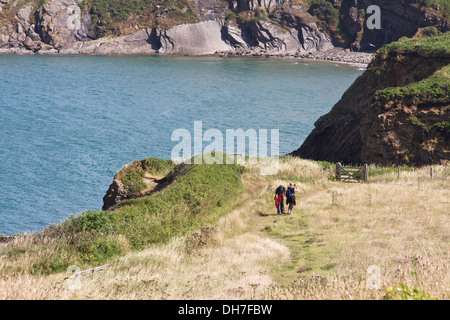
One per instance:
(397, 112)
(208, 26)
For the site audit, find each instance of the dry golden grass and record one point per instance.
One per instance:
(323, 251)
(400, 225)
(231, 264)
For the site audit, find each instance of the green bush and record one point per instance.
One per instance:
(325, 165)
(362, 13)
(99, 249)
(325, 11)
(403, 292)
(231, 16)
(261, 14)
(90, 220)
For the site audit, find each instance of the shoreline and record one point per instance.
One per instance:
(335, 55)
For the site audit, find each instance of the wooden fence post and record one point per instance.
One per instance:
(338, 171)
(365, 173)
(431, 172)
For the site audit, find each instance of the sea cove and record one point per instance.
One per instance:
(68, 123)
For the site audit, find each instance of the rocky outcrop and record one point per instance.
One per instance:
(195, 39)
(132, 181)
(46, 28)
(137, 43)
(59, 25)
(271, 38)
(19, 33)
(116, 193)
(397, 112)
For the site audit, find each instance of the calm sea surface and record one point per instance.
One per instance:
(67, 124)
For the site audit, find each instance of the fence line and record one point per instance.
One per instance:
(352, 173)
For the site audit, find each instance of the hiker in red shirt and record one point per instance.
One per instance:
(279, 199)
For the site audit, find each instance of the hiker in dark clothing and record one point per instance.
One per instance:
(279, 199)
(290, 197)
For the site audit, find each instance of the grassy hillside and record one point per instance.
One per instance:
(196, 196)
(246, 251)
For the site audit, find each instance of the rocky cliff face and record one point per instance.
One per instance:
(206, 26)
(36, 26)
(397, 112)
(398, 19)
(56, 27)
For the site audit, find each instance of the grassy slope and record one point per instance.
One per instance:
(195, 197)
(322, 251)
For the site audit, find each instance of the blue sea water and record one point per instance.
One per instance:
(68, 123)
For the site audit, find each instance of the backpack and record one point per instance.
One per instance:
(289, 193)
(280, 190)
